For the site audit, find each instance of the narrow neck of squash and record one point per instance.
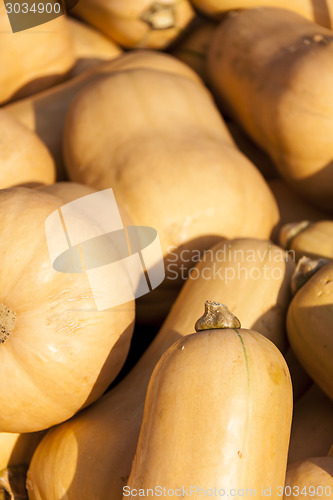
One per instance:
(216, 316)
(7, 322)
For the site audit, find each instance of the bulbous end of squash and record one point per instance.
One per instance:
(216, 316)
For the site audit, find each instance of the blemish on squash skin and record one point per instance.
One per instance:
(274, 373)
(239, 453)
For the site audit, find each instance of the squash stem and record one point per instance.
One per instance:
(216, 316)
(289, 232)
(7, 322)
(305, 268)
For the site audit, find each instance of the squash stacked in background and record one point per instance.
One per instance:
(158, 140)
(58, 354)
(44, 113)
(143, 123)
(138, 23)
(33, 59)
(24, 158)
(91, 455)
(318, 11)
(262, 64)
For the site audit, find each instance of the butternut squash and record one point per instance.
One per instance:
(34, 59)
(314, 10)
(90, 455)
(44, 113)
(137, 23)
(313, 477)
(310, 324)
(262, 63)
(217, 414)
(311, 430)
(90, 46)
(292, 207)
(23, 156)
(312, 239)
(52, 364)
(157, 151)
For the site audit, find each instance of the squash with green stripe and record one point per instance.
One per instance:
(217, 412)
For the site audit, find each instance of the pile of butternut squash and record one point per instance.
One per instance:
(212, 122)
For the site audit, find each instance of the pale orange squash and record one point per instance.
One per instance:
(23, 156)
(318, 11)
(175, 153)
(44, 113)
(262, 63)
(90, 46)
(137, 23)
(310, 326)
(90, 455)
(311, 431)
(313, 477)
(312, 239)
(17, 449)
(34, 59)
(217, 413)
(58, 353)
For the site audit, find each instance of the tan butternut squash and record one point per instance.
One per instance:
(300, 379)
(312, 239)
(34, 59)
(23, 156)
(310, 324)
(90, 455)
(157, 152)
(90, 46)
(314, 10)
(58, 353)
(44, 113)
(262, 63)
(313, 477)
(292, 207)
(312, 430)
(217, 414)
(137, 23)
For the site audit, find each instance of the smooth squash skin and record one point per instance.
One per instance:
(23, 156)
(58, 353)
(310, 324)
(217, 414)
(313, 475)
(35, 59)
(292, 207)
(312, 239)
(314, 10)
(137, 23)
(262, 64)
(17, 449)
(90, 456)
(311, 430)
(44, 113)
(159, 137)
(90, 46)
